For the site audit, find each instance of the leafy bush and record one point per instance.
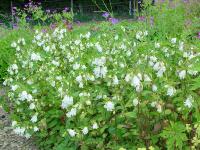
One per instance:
(102, 89)
(34, 15)
(28, 19)
(7, 54)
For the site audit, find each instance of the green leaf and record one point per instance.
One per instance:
(131, 114)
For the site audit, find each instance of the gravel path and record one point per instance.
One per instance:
(8, 139)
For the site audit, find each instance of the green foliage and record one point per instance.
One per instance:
(5, 20)
(34, 15)
(7, 54)
(7, 36)
(175, 136)
(104, 86)
(53, 74)
(167, 20)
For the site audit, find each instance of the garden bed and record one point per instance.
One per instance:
(110, 85)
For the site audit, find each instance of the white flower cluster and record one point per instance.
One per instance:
(135, 102)
(170, 90)
(182, 74)
(157, 105)
(100, 69)
(14, 87)
(159, 67)
(13, 69)
(34, 118)
(136, 80)
(109, 106)
(79, 79)
(85, 130)
(71, 113)
(25, 96)
(21, 131)
(20, 42)
(36, 57)
(188, 102)
(140, 34)
(99, 48)
(67, 101)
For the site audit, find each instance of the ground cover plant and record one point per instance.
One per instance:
(7, 53)
(109, 85)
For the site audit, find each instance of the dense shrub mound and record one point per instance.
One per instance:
(7, 53)
(105, 90)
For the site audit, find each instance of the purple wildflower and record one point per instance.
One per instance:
(106, 15)
(78, 23)
(44, 30)
(141, 18)
(65, 21)
(30, 3)
(69, 26)
(15, 26)
(53, 26)
(113, 20)
(185, 1)
(151, 21)
(14, 8)
(66, 9)
(28, 19)
(48, 11)
(199, 35)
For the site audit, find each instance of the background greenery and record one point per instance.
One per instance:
(89, 9)
(7, 54)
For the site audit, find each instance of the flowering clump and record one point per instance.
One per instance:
(72, 88)
(33, 12)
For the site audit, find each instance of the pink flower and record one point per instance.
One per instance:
(198, 35)
(141, 18)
